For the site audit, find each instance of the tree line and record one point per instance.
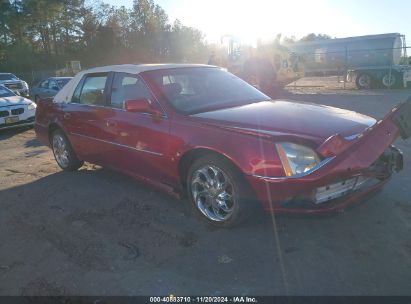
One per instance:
(44, 34)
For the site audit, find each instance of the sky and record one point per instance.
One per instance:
(253, 19)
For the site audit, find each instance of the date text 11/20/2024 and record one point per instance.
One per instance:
(204, 299)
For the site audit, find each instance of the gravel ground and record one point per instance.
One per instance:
(97, 232)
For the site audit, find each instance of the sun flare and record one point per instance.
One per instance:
(264, 19)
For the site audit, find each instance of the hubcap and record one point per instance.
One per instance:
(60, 151)
(365, 81)
(213, 193)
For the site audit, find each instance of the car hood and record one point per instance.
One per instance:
(282, 117)
(13, 101)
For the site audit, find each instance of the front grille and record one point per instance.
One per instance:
(13, 86)
(17, 111)
(332, 191)
(4, 113)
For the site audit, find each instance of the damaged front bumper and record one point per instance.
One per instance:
(353, 169)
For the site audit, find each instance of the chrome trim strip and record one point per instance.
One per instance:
(265, 132)
(117, 144)
(255, 130)
(352, 137)
(110, 108)
(320, 165)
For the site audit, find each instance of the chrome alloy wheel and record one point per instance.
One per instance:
(213, 193)
(60, 150)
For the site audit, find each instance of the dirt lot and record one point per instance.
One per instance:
(97, 232)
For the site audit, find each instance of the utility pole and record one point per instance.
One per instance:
(3, 8)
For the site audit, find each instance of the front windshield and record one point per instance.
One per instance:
(201, 89)
(4, 92)
(8, 76)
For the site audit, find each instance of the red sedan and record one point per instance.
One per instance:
(199, 131)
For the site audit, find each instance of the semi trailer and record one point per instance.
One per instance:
(371, 61)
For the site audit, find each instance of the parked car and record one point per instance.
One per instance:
(48, 87)
(203, 133)
(15, 111)
(15, 84)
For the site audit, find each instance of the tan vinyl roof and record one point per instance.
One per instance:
(138, 68)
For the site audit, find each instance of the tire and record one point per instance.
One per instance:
(63, 152)
(205, 201)
(364, 81)
(390, 81)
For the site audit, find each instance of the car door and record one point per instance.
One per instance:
(85, 116)
(141, 139)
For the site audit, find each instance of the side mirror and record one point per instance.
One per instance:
(142, 105)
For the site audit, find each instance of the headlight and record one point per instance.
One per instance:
(32, 106)
(296, 159)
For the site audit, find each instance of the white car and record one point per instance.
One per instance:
(15, 84)
(15, 111)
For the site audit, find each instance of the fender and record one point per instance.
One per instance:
(251, 154)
